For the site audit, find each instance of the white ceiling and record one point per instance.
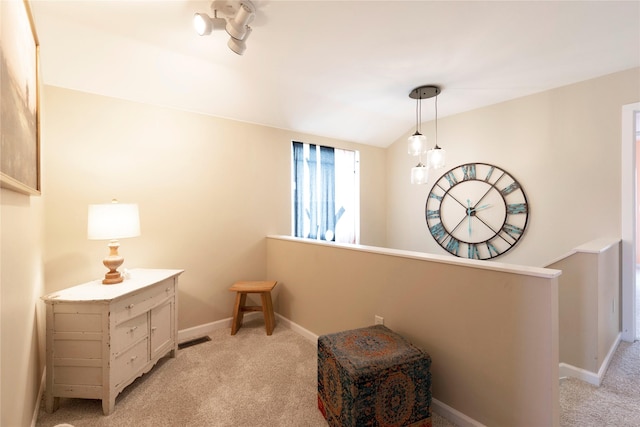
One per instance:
(341, 69)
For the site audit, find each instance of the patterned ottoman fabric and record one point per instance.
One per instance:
(373, 377)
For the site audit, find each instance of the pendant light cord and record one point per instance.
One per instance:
(417, 114)
(437, 121)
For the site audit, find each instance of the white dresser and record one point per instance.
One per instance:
(100, 338)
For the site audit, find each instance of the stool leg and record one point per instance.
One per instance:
(267, 309)
(238, 314)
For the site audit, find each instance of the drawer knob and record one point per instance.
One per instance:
(167, 290)
(133, 328)
(153, 329)
(133, 358)
(130, 306)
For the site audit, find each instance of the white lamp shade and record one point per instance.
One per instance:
(113, 221)
(417, 144)
(419, 174)
(436, 158)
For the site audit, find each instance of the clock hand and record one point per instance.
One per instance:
(469, 214)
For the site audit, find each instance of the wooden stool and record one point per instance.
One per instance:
(264, 289)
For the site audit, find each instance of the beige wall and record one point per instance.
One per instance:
(21, 316)
(609, 291)
(209, 190)
(492, 334)
(589, 304)
(562, 145)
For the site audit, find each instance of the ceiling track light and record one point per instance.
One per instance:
(204, 24)
(417, 143)
(239, 14)
(237, 26)
(239, 46)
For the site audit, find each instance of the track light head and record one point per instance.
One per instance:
(239, 46)
(204, 24)
(237, 26)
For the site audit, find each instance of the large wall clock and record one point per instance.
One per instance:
(477, 211)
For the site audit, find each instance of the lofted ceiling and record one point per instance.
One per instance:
(341, 69)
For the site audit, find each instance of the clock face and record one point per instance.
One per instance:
(477, 211)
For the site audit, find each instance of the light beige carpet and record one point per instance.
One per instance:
(251, 379)
(615, 403)
(246, 380)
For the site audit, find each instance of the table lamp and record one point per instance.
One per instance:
(113, 221)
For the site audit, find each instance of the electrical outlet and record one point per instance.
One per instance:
(379, 320)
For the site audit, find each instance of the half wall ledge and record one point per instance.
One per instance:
(547, 273)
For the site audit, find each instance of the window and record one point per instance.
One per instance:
(325, 190)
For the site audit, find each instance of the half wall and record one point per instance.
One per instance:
(491, 328)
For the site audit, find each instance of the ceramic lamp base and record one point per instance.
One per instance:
(112, 262)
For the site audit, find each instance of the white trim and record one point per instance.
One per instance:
(452, 415)
(547, 273)
(201, 331)
(596, 246)
(628, 221)
(307, 334)
(36, 410)
(567, 370)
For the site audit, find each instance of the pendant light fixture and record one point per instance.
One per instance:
(417, 144)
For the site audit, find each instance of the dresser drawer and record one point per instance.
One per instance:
(129, 363)
(128, 333)
(139, 303)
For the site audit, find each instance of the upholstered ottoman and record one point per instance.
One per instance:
(373, 377)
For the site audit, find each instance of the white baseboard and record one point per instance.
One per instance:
(36, 411)
(307, 334)
(200, 331)
(593, 378)
(456, 417)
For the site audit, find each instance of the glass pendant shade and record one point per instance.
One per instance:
(436, 158)
(417, 144)
(419, 174)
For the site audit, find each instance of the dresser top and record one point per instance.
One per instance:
(139, 278)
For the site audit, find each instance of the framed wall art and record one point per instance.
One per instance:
(19, 99)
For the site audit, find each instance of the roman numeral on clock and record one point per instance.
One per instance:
(468, 172)
(512, 230)
(438, 232)
(473, 251)
(453, 245)
(517, 208)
